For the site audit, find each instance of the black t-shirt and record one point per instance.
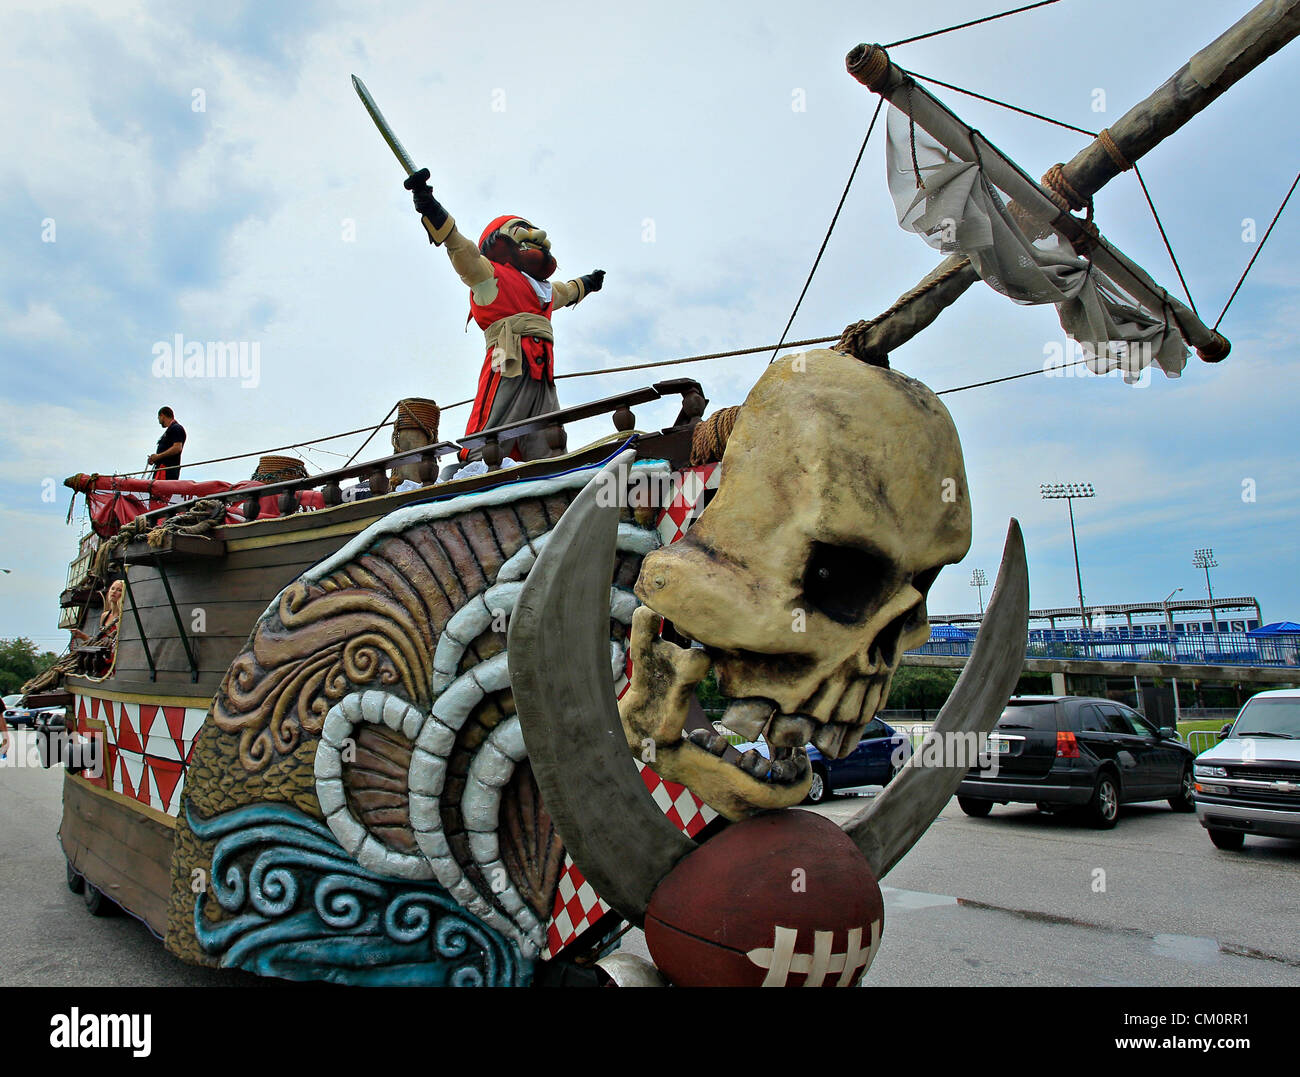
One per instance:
(173, 434)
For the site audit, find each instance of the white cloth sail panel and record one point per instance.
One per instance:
(958, 211)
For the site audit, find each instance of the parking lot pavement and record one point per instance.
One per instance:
(47, 938)
(1150, 902)
(1013, 899)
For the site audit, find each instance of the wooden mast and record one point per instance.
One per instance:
(1244, 46)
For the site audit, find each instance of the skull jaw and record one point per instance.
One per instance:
(726, 788)
(832, 712)
(653, 713)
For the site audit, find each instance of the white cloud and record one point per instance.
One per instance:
(676, 114)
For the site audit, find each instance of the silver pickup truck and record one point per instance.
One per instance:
(1249, 783)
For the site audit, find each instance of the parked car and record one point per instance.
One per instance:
(1078, 753)
(878, 757)
(1249, 783)
(18, 716)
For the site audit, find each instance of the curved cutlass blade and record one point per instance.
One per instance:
(393, 144)
(558, 645)
(897, 818)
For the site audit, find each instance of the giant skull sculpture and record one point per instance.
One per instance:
(805, 580)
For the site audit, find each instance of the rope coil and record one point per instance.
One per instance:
(869, 64)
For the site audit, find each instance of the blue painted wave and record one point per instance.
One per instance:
(298, 907)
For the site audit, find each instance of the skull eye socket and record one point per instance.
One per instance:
(843, 581)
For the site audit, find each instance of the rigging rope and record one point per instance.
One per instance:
(382, 423)
(1002, 104)
(1257, 250)
(692, 359)
(817, 261)
(1009, 377)
(1172, 257)
(607, 370)
(973, 22)
(256, 452)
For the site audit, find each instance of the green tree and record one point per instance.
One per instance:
(20, 661)
(917, 687)
(710, 698)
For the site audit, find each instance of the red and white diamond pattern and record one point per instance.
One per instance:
(577, 905)
(689, 486)
(145, 748)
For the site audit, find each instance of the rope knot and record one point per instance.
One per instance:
(1059, 190)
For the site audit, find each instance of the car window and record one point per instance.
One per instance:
(1269, 717)
(1091, 720)
(1140, 725)
(875, 728)
(1114, 719)
(1039, 716)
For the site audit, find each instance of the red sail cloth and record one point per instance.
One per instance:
(112, 500)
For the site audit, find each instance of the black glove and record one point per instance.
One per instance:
(428, 206)
(592, 281)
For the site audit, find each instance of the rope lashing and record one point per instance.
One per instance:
(709, 438)
(1108, 144)
(1082, 234)
(1059, 190)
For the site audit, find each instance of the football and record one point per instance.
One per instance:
(783, 899)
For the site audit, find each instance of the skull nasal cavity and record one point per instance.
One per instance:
(843, 582)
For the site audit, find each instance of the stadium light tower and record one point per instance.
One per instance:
(1068, 491)
(1205, 559)
(980, 581)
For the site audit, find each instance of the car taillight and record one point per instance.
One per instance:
(1066, 746)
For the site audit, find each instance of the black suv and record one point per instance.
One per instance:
(1072, 752)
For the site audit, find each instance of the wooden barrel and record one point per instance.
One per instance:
(279, 468)
(416, 425)
(417, 413)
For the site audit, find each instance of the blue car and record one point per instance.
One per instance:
(878, 757)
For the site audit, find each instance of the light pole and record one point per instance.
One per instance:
(1204, 558)
(1169, 621)
(980, 581)
(1173, 651)
(1056, 491)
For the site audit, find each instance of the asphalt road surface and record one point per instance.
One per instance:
(1016, 899)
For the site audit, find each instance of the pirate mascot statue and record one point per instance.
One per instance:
(511, 298)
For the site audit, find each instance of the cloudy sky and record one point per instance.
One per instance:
(206, 170)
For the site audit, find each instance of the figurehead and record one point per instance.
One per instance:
(513, 241)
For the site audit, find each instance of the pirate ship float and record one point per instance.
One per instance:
(392, 753)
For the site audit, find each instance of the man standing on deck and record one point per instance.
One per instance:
(168, 457)
(511, 299)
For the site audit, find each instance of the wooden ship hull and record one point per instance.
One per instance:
(188, 728)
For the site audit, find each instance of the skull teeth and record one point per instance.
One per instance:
(749, 717)
(829, 738)
(711, 742)
(789, 732)
(787, 765)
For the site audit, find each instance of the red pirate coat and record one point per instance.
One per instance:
(515, 295)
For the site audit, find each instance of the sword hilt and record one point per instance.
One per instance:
(437, 222)
(417, 179)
